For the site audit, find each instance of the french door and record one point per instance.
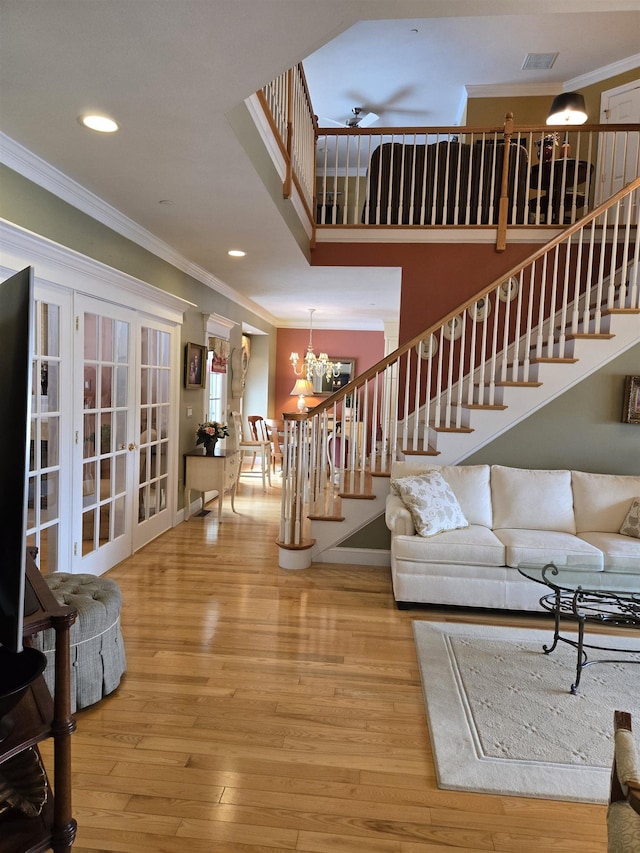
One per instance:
(122, 476)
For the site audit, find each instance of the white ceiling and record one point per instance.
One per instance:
(171, 72)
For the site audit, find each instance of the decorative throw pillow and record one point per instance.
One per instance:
(631, 524)
(433, 506)
(416, 472)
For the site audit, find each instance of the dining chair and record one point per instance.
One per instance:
(337, 453)
(246, 446)
(277, 448)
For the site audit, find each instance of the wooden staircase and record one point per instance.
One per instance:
(577, 306)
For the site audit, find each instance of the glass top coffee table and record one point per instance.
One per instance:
(587, 597)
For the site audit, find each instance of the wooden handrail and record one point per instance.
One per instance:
(462, 130)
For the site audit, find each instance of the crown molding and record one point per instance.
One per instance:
(600, 74)
(35, 169)
(65, 267)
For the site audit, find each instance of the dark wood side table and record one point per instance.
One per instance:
(557, 179)
(37, 717)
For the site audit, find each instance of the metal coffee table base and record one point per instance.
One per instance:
(594, 607)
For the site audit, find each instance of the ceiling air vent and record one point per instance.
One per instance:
(538, 61)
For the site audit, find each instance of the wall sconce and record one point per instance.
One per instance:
(302, 388)
(567, 108)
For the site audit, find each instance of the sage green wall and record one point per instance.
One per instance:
(580, 430)
(30, 206)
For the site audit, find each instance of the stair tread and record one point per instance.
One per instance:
(488, 406)
(357, 496)
(313, 517)
(553, 360)
(514, 383)
(460, 429)
(420, 451)
(583, 336)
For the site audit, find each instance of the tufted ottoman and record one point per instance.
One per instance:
(97, 649)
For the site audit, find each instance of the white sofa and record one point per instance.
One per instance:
(514, 516)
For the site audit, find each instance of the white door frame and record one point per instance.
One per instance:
(604, 162)
(60, 267)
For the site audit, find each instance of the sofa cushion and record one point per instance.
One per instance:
(548, 546)
(621, 553)
(472, 546)
(431, 502)
(471, 485)
(631, 523)
(531, 499)
(602, 501)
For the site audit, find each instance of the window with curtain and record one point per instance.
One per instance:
(218, 354)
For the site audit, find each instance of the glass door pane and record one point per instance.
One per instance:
(106, 445)
(43, 520)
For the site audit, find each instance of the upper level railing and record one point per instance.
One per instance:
(445, 176)
(461, 176)
(287, 104)
(431, 384)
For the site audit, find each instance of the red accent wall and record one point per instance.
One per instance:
(436, 277)
(365, 347)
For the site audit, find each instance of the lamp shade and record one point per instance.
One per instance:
(302, 388)
(567, 108)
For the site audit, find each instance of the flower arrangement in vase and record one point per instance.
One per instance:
(546, 146)
(208, 434)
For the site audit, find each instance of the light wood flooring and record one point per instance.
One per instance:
(272, 710)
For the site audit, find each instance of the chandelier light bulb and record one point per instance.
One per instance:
(312, 365)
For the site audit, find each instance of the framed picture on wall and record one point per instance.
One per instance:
(322, 386)
(195, 359)
(631, 405)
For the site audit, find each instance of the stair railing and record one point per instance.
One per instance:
(565, 290)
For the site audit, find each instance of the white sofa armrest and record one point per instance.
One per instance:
(398, 518)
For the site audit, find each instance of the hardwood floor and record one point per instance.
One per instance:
(273, 710)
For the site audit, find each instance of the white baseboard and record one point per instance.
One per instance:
(355, 556)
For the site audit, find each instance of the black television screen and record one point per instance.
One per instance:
(16, 349)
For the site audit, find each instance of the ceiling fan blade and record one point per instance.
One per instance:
(329, 122)
(369, 119)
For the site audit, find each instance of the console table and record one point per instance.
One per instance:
(217, 473)
(587, 597)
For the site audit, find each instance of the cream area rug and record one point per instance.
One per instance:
(502, 719)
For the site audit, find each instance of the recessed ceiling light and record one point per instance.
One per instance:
(236, 253)
(102, 124)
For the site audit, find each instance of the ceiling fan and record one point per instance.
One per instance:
(359, 118)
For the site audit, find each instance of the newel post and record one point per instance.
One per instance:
(503, 209)
(294, 548)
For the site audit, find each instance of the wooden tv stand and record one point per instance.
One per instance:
(37, 717)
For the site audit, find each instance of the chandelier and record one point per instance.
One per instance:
(313, 365)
